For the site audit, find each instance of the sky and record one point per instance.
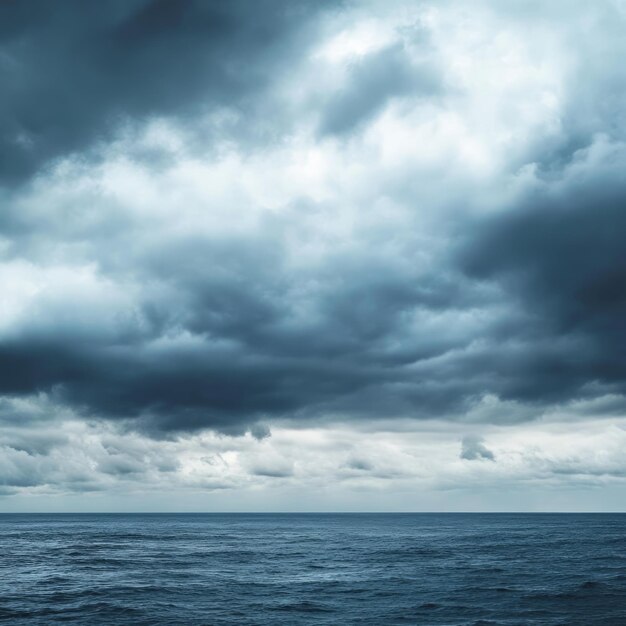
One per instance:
(281, 255)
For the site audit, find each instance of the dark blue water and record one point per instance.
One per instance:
(313, 569)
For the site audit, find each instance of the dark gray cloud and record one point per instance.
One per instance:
(260, 431)
(474, 448)
(372, 82)
(250, 353)
(273, 373)
(71, 72)
(272, 472)
(559, 257)
(359, 465)
(196, 303)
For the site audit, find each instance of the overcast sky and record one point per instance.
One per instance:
(296, 255)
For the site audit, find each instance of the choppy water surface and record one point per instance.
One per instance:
(313, 569)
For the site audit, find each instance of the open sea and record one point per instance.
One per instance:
(267, 569)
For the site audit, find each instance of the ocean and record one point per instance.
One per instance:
(271, 569)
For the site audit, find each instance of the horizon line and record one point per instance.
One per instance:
(312, 512)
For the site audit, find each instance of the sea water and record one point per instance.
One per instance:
(267, 569)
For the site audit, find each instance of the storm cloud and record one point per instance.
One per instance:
(73, 72)
(223, 218)
(474, 448)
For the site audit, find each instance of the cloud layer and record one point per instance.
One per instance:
(226, 215)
